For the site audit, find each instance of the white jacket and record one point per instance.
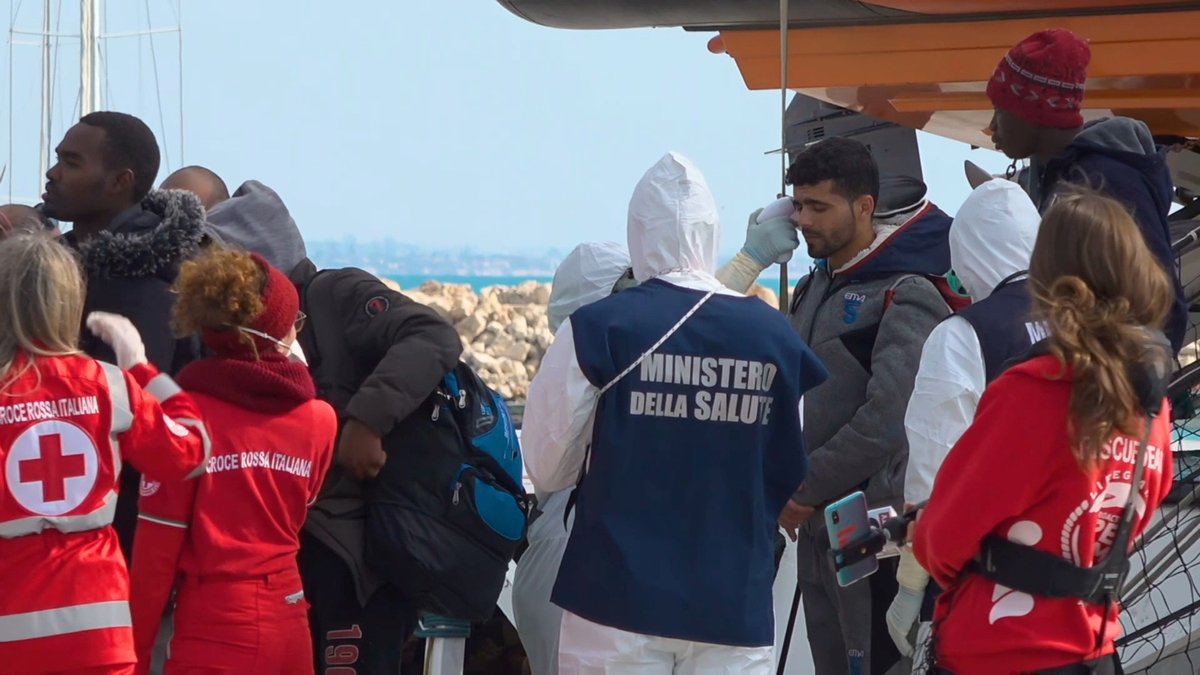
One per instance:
(673, 235)
(587, 274)
(991, 239)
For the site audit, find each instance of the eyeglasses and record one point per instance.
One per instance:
(301, 317)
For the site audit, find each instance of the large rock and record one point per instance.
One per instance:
(504, 329)
(456, 301)
(519, 328)
(470, 327)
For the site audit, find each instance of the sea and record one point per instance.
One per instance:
(477, 283)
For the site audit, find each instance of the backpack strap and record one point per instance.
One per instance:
(949, 296)
(654, 347)
(890, 294)
(587, 452)
(800, 292)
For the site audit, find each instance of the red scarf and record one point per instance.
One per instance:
(274, 384)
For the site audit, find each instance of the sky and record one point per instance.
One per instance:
(439, 124)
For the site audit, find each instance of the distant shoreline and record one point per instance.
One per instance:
(477, 283)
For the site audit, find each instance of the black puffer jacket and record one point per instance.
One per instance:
(379, 356)
(130, 268)
(376, 356)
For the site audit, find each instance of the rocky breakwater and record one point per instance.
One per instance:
(504, 329)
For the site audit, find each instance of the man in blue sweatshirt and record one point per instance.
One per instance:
(1038, 90)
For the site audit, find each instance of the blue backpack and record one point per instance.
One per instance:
(448, 511)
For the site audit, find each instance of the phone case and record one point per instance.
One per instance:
(847, 522)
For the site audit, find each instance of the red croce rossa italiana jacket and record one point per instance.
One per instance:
(67, 424)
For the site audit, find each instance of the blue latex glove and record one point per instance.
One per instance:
(772, 241)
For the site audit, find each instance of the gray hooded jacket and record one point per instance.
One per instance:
(257, 220)
(867, 323)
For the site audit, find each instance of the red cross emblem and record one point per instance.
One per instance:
(52, 468)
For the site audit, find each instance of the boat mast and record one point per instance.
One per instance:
(89, 73)
(47, 118)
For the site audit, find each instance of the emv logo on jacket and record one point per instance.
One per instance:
(850, 307)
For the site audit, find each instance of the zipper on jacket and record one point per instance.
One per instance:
(437, 409)
(812, 326)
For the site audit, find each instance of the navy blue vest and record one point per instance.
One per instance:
(1006, 332)
(693, 456)
(1003, 325)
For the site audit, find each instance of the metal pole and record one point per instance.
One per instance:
(87, 57)
(47, 117)
(97, 67)
(783, 155)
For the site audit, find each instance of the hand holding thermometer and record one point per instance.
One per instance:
(784, 207)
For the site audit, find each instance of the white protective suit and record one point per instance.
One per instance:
(992, 239)
(673, 235)
(588, 273)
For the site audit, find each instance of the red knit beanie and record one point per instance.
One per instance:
(1041, 80)
(281, 306)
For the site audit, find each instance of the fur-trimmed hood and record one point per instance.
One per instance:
(148, 240)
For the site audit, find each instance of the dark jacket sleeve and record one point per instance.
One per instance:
(147, 303)
(418, 346)
(1134, 191)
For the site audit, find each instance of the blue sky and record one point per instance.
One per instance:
(441, 124)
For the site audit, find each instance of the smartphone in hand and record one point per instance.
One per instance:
(847, 522)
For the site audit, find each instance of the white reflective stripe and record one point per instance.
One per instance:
(64, 620)
(88, 521)
(162, 387)
(118, 394)
(198, 427)
(122, 416)
(116, 451)
(163, 521)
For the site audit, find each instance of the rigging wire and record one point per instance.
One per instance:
(162, 119)
(179, 23)
(54, 73)
(107, 82)
(12, 24)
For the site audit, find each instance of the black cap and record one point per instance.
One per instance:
(898, 193)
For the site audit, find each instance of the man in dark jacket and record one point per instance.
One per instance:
(1038, 91)
(378, 357)
(131, 241)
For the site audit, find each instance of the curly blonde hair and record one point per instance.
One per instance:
(218, 290)
(1097, 285)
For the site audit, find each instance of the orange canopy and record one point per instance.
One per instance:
(932, 75)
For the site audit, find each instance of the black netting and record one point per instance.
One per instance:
(1161, 599)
